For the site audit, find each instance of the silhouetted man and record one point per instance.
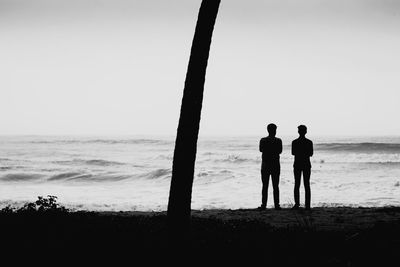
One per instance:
(302, 150)
(270, 147)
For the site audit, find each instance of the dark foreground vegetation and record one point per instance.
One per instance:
(45, 231)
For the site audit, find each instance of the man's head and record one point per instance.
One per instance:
(302, 130)
(271, 128)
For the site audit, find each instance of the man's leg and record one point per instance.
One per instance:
(265, 181)
(297, 178)
(275, 184)
(307, 188)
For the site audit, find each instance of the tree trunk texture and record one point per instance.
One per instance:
(180, 195)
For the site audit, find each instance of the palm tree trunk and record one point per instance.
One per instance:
(180, 196)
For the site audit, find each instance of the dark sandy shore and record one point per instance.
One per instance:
(335, 219)
(339, 236)
(319, 219)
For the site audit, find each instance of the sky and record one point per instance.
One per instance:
(117, 67)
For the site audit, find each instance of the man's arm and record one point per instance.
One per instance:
(311, 148)
(261, 146)
(280, 147)
(293, 149)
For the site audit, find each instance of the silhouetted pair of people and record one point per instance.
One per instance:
(271, 148)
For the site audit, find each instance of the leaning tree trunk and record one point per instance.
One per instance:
(180, 195)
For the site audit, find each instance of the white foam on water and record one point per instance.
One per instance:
(132, 173)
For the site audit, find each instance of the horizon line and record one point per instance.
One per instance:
(200, 135)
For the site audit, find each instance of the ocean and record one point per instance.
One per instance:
(133, 173)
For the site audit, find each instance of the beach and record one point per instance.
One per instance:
(115, 191)
(336, 236)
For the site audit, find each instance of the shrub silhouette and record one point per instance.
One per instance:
(42, 204)
(8, 209)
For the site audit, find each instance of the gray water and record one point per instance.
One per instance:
(133, 173)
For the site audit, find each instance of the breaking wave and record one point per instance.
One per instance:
(384, 163)
(360, 147)
(235, 159)
(104, 141)
(95, 162)
(20, 177)
(159, 173)
(87, 177)
(68, 176)
(84, 176)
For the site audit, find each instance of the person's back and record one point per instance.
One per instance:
(302, 150)
(271, 148)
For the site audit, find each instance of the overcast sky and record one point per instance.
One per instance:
(118, 66)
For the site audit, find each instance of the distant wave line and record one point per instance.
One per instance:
(363, 147)
(97, 162)
(103, 141)
(82, 176)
